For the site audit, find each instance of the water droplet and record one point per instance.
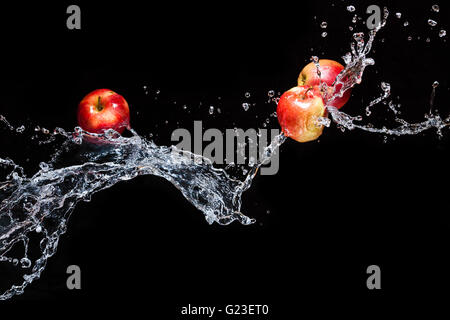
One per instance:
(350, 28)
(38, 229)
(435, 8)
(350, 8)
(324, 34)
(211, 110)
(442, 33)
(247, 94)
(323, 25)
(44, 166)
(406, 23)
(409, 38)
(398, 15)
(28, 206)
(25, 262)
(271, 93)
(432, 22)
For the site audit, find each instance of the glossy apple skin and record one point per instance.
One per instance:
(329, 69)
(103, 109)
(298, 111)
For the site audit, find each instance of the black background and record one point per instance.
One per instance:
(336, 206)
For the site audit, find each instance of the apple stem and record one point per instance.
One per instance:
(99, 104)
(307, 90)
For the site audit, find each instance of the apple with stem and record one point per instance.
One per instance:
(298, 112)
(103, 109)
(329, 69)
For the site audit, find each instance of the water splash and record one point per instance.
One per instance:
(43, 203)
(355, 63)
(37, 208)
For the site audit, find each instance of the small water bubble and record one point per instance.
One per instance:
(355, 19)
(211, 110)
(435, 84)
(245, 106)
(247, 94)
(435, 8)
(358, 36)
(324, 34)
(409, 38)
(428, 40)
(44, 166)
(442, 33)
(347, 58)
(25, 263)
(111, 134)
(398, 15)
(38, 229)
(350, 28)
(45, 131)
(15, 262)
(324, 121)
(271, 93)
(431, 22)
(350, 8)
(184, 107)
(28, 206)
(60, 131)
(406, 23)
(37, 128)
(323, 25)
(385, 86)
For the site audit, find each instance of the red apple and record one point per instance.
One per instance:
(329, 69)
(298, 111)
(103, 109)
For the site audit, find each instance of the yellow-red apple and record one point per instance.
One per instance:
(103, 109)
(329, 69)
(298, 112)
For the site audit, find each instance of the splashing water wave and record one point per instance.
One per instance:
(39, 207)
